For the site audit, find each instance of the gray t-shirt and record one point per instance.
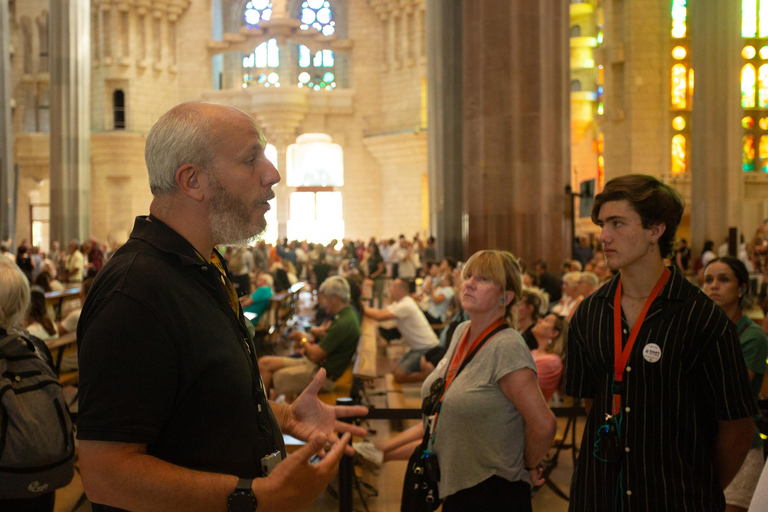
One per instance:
(480, 433)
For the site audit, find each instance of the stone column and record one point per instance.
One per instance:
(70, 118)
(516, 130)
(717, 181)
(7, 171)
(444, 68)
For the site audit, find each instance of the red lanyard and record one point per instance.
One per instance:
(462, 350)
(622, 356)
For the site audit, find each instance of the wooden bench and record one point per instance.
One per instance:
(61, 345)
(57, 299)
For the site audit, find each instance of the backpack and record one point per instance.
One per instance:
(37, 445)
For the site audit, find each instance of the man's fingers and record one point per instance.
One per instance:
(352, 429)
(345, 411)
(313, 446)
(316, 383)
(332, 458)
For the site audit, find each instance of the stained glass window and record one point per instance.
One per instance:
(748, 155)
(265, 56)
(257, 11)
(763, 153)
(678, 123)
(748, 18)
(748, 84)
(763, 19)
(679, 82)
(679, 53)
(679, 159)
(317, 14)
(762, 95)
(748, 52)
(679, 22)
(747, 122)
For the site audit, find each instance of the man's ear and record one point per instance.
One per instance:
(188, 178)
(657, 231)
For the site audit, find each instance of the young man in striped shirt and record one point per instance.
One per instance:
(659, 366)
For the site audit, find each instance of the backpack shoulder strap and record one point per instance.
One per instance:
(9, 338)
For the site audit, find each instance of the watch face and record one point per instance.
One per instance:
(242, 501)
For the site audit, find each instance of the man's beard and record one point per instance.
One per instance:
(230, 219)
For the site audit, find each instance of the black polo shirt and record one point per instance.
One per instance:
(163, 360)
(670, 407)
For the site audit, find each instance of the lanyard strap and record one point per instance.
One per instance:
(464, 354)
(621, 356)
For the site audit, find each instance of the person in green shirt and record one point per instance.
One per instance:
(332, 351)
(726, 282)
(258, 301)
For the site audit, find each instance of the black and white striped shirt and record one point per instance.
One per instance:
(670, 407)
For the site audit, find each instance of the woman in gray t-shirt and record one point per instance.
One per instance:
(493, 426)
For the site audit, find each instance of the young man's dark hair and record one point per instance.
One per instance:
(451, 262)
(654, 201)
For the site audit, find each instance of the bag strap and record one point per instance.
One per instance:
(9, 338)
(478, 347)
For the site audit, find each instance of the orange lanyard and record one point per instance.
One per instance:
(622, 356)
(462, 350)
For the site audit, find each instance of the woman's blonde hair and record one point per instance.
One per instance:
(499, 267)
(14, 295)
(557, 345)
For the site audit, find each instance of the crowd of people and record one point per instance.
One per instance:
(178, 405)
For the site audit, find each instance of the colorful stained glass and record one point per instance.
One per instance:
(318, 15)
(748, 154)
(748, 52)
(763, 123)
(763, 19)
(748, 85)
(748, 122)
(257, 11)
(762, 94)
(764, 49)
(679, 53)
(748, 18)
(678, 123)
(690, 86)
(679, 157)
(679, 22)
(763, 153)
(600, 109)
(679, 93)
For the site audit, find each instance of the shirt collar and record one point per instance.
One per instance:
(155, 232)
(677, 287)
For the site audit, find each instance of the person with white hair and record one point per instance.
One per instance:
(258, 301)
(569, 300)
(333, 351)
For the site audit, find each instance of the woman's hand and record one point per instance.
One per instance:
(537, 477)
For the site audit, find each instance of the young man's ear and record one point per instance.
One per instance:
(657, 231)
(188, 179)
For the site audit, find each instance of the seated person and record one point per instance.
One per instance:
(440, 301)
(69, 323)
(38, 322)
(258, 301)
(550, 335)
(413, 326)
(334, 351)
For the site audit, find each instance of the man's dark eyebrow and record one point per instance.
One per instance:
(611, 219)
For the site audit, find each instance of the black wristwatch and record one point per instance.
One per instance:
(242, 498)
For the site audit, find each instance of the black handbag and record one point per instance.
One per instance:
(421, 477)
(420, 493)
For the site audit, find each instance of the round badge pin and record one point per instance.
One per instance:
(652, 352)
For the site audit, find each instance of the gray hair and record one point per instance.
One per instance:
(572, 278)
(14, 295)
(183, 135)
(589, 277)
(338, 286)
(267, 277)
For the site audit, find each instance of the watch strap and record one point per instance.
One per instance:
(244, 484)
(242, 498)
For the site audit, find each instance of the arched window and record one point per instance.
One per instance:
(748, 81)
(260, 67)
(679, 19)
(317, 71)
(679, 87)
(748, 155)
(679, 154)
(118, 105)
